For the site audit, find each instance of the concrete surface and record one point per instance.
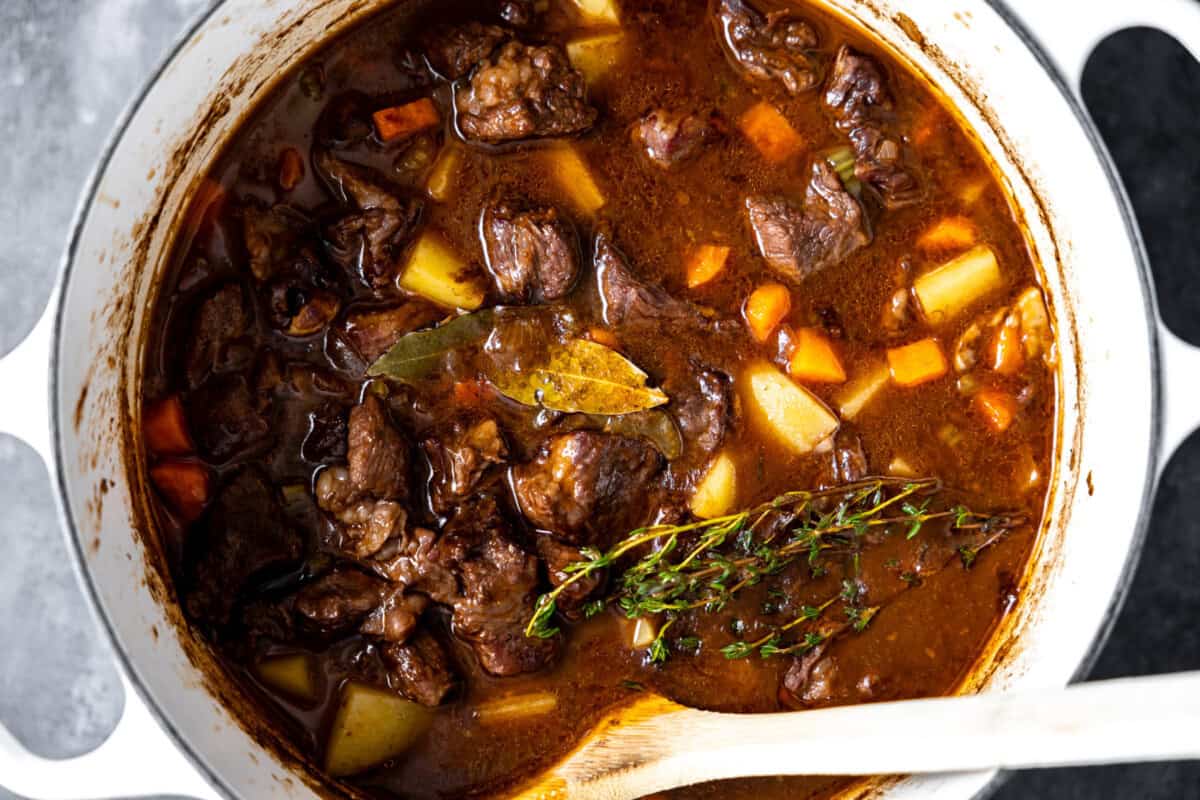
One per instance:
(67, 69)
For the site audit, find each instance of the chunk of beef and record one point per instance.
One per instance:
(458, 458)
(416, 559)
(496, 590)
(420, 669)
(861, 105)
(224, 418)
(532, 253)
(845, 463)
(397, 617)
(455, 50)
(557, 557)
(518, 13)
(341, 599)
(378, 454)
(327, 432)
(363, 497)
(523, 91)
(669, 137)
(270, 235)
(345, 121)
(215, 346)
(797, 242)
(366, 243)
(587, 488)
(704, 408)
(244, 535)
(372, 332)
(778, 46)
(627, 300)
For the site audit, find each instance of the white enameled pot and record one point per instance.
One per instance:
(1127, 385)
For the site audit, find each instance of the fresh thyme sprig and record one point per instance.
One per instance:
(705, 564)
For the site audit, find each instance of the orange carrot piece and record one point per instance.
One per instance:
(165, 427)
(813, 358)
(186, 485)
(998, 408)
(291, 169)
(771, 133)
(393, 123)
(605, 337)
(1007, 350)
(917, 363)
(468, 393)
(765, 308)
(949, 233)
(706, 263)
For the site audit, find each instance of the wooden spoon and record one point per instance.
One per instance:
(655, 744)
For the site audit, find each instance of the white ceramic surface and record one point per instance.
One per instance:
(1126, 384)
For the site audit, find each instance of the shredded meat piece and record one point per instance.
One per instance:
(778, 46)
(455, 50)
(372, 333)
(270, 236)
(629, 301)
(366, 243)
(704, 408)
(670, 137)
(396, 618)
(862, 107)
(845, 463)
(532, 252)
(523, 91)
(458, 458)
(216, 343)
(420, 669)
(363, 497)
(587, 488)
(224, 418)
(341, 599)
(557, 557)
(244, 534)
(799, 241)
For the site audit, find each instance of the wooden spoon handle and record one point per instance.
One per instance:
(657, 745)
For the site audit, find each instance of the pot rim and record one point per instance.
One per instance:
(88, 197)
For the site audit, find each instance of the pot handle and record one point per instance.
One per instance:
(138, 758)
(1069, 33)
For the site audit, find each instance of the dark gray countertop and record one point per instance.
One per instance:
(68, 67)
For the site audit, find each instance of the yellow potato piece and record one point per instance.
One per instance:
(293, 675)
(791, 413)
(440, 183)
(571, 173)
(372, 725)
(599, 11)
(861, 390)
(437, 273)
(716, 493)
(594, 56)
(947, 291)
(515, 707)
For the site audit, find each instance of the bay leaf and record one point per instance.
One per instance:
(579, 376)
(416, 354)
(655, 426)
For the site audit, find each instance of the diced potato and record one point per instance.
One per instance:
(642, 633)
(575, 178)
(901, 468)
(441, 179)
(371, 726)
(599, 11)
(793, 414)
(716, 493)
(437, 273)
(950, 289)
(594, 56)
(293, 675)
(861, 390)
(507, 709)
(771, 133)
(948, 233)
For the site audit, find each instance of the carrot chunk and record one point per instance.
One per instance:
(998, 408)
(605, 337)
(706, 263)
(165, 428)
(948, 233)
(186, 485)
(917, 363)
(771, 133)
(398, 121)
(765, 308)
(468, 393)
(1007, 350)
(291, 169)
(813, 358)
